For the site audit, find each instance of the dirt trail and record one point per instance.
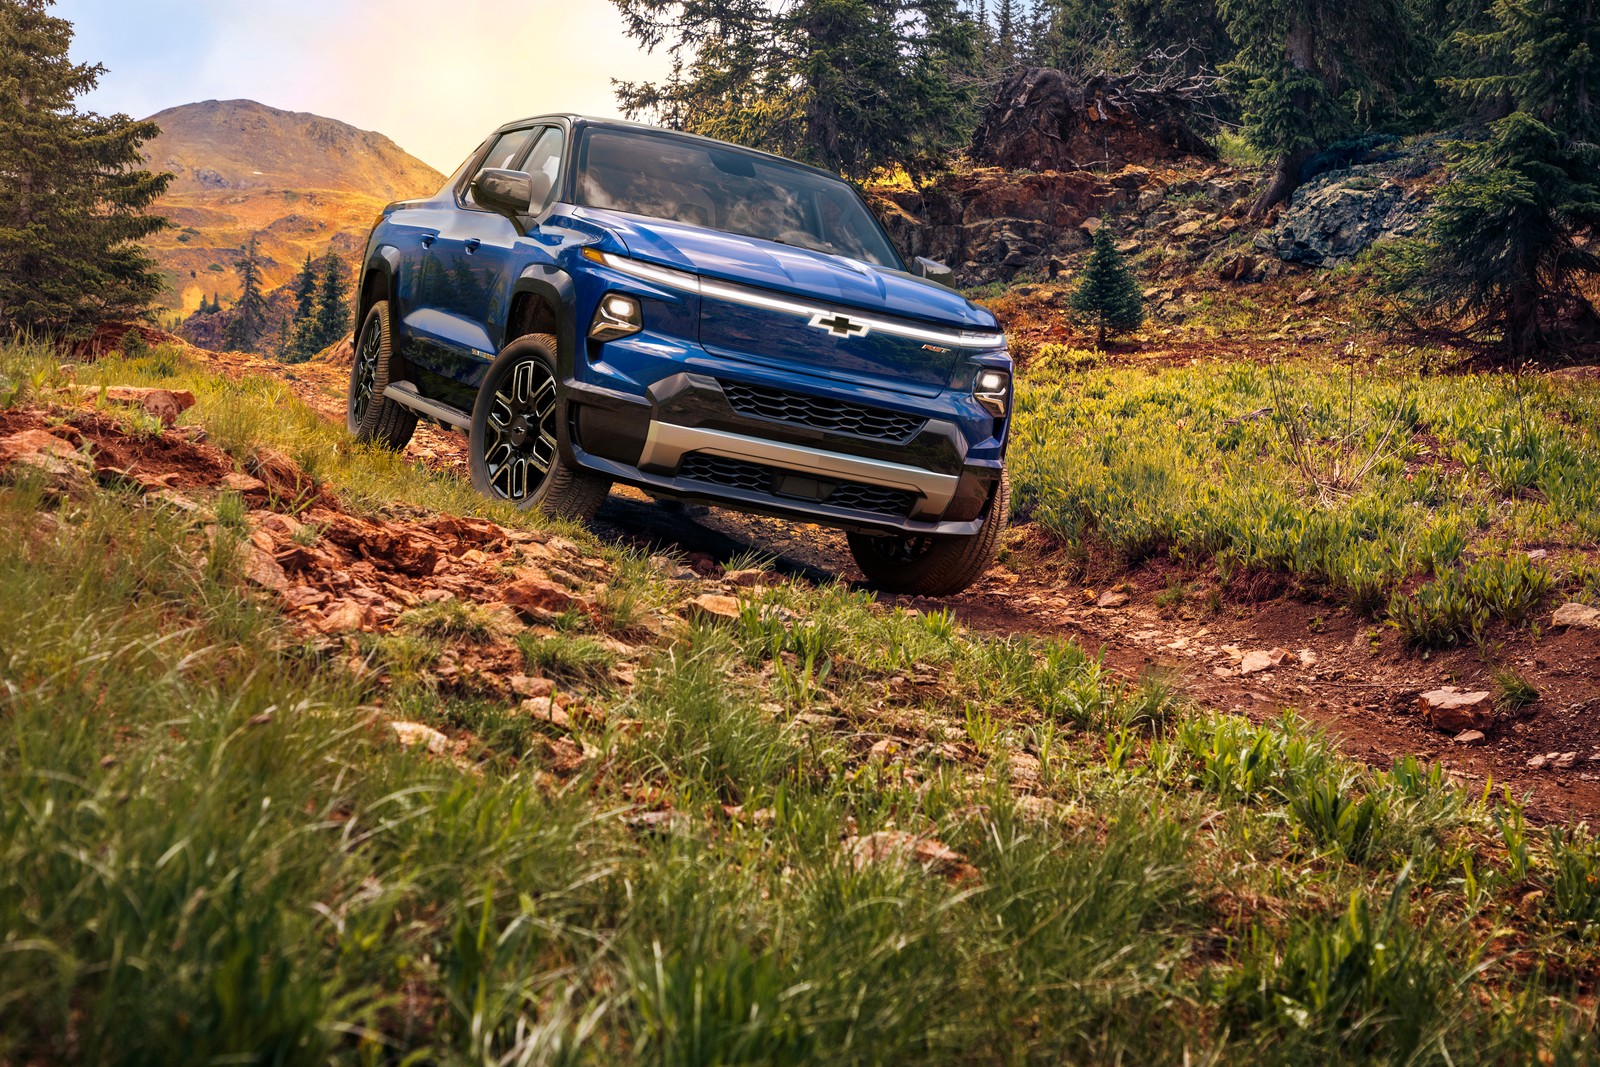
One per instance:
(1344, 673)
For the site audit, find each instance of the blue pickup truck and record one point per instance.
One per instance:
(596, 301)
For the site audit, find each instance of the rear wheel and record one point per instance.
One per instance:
(370, 415)
(514, 443)
(927, 565)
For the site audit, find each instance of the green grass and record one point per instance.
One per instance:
(211, 851)
(1358, 487)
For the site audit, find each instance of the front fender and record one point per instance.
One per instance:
(553, 287)
(380, 281)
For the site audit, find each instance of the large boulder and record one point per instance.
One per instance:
(1332, 219)
(1353, 195)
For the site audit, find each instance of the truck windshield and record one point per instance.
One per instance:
(665, 177)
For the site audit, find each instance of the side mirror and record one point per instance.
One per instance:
(512, 192)
(934, 271)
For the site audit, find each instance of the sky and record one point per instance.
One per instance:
(433, 75)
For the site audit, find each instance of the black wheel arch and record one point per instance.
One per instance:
(544, 300)
(378, 283)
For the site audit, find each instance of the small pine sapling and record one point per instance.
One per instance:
(1109, 294)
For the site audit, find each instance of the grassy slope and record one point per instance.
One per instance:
(208, 847)
(1414, 497)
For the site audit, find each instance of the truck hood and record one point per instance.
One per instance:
(787, 269)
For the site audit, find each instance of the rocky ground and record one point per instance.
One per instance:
(1252, 654)
(1179, 220)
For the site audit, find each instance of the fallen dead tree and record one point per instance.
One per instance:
(1044, 119)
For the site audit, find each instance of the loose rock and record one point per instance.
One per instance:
(45, 455)
(1452, 711)
(1260, 660)
(714, 607)
(1573, 613)
(545, 710)
(535, 599)
(415, 734)
(897, 846)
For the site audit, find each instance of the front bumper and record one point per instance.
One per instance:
(687, 440)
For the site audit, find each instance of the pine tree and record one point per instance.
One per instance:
(73, 193)
(1541, 57)
(298, 341)
(1304, 70)
(1007, 30)
(1109, 294)
(333, 306)
(851, 85)
(250, 310)
(1512, 240)
(305, 290)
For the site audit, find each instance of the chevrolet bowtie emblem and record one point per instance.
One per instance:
(840, 325)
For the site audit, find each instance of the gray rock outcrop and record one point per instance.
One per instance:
(1333, 218)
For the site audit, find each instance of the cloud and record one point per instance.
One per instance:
(434, 77)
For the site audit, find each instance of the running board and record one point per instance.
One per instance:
(405, 394)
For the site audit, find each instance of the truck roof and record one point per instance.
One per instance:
(577, 120)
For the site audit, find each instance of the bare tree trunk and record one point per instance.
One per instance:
(1297, 50)
(1285, 180)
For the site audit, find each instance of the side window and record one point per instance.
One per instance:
(546, 159)
(504, 153)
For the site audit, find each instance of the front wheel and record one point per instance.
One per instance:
(927, 565)
(513, 446)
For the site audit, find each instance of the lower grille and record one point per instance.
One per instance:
(737, 474)
(836, 416)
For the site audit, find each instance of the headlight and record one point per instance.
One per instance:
(617, 316)
(677, 279)
(992, 389)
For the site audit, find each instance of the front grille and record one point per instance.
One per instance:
(737, 474)
(727, 472)
(872, 498)
(820, 414)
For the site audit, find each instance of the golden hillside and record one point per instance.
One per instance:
(301, 183)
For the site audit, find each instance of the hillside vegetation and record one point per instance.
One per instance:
(299, 184)
(784, 826)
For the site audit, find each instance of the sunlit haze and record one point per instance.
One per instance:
(434, 76)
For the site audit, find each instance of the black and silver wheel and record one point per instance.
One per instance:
(370, 415)
(514, 443)
(928, 565)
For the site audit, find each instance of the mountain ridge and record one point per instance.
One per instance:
(216, 145)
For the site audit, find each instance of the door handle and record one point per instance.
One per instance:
(427, 240)
(473, 243)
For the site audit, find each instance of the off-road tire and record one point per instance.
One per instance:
(369, 415)
(521, 385)
(934, 566)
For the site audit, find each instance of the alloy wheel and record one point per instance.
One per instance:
(520, 445)
(366, 370)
